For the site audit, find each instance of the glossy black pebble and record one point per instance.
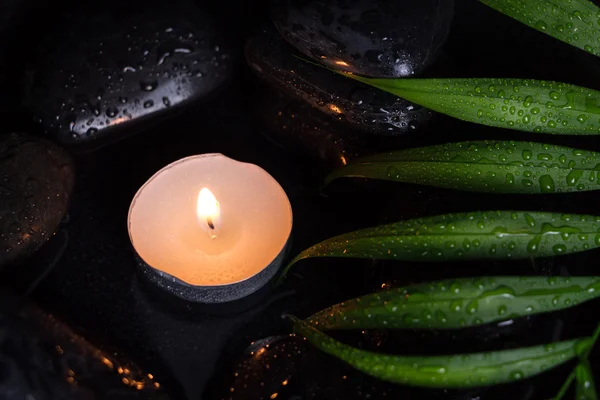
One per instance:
(42, 358)
(357, 105)
(388, 38)
(298, 126)
(36, 180)
(107, 75)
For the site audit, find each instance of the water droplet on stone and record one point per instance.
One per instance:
(111, 112)
(148, 86)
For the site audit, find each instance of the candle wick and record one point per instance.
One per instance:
(210, 223)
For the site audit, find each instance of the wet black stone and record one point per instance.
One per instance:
(357, 105)
(295, 125)
(42, 358)
(106, 75)
(374, 38)
(36, 180)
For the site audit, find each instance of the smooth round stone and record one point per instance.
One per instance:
(42, 358)
(36, 180)
(298, 126)
(359, 106)
(375, 38)
(108, 75)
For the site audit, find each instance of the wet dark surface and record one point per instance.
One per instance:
(36, 178)
(354, 105)
(43, 358)
(387, 39)
(91, 277)
(87, 87)
(295, 124)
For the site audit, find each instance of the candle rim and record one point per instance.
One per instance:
(210, 155)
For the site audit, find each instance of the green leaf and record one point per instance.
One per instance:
(458, 303)
(583, 356)
(464, 236)
(575, 22)
(520, 104)
(455, 371)
(484, 166)
(585, 389)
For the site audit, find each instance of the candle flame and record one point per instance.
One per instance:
(208, 211)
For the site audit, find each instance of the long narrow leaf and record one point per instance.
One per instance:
(585, 389)
(457, 371)
(520, 104)
(485, 166)
(458, 303)
(574, 21)
(462, 236)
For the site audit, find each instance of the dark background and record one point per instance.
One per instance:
(94, 286)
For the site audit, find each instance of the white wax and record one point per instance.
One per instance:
(255, 220)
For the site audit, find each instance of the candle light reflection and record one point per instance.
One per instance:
(335, 108)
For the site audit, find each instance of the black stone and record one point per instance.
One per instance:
(357, 105)
(106, 75)
(387, 38)
(36, 180)
(295, 125)
(42, 358)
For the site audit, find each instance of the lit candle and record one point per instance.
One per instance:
(210, 229)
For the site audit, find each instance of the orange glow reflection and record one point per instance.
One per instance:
(117, 121)
(334, 108)
(107, 362)
(260, 352)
